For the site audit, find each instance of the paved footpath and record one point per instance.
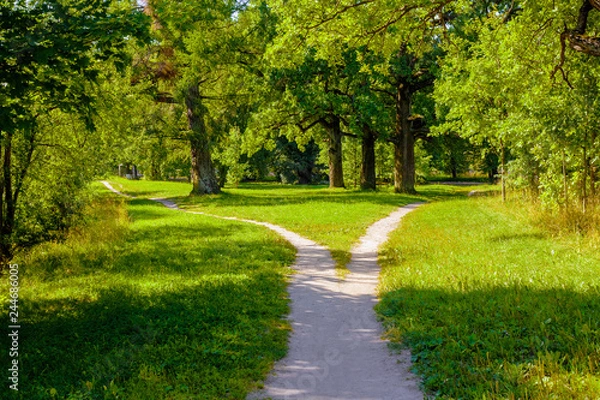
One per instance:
(335, 350)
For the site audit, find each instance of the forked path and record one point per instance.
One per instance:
(335, 349)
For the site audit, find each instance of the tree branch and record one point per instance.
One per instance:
(389, 93)
(339, 12)
(422, 84)
(582, 20)
(403, 11)
(577, 39)
(164, 97)
(394, 139)
(309, 126)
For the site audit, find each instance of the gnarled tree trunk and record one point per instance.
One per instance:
(204, 179)
(404, 143)
(336, 172)
(408, 167)
(367, 167)
(578, 40)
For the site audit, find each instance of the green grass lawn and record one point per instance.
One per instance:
(148, 303)
(491, 307)
(335, 218)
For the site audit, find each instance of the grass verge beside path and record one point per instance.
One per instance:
(491, 307)
(163, 306)
(335, 218)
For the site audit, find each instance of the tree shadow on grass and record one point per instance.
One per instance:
(164, 245)
(229, 199)
(147, 194)
(517, 236)
(278, 186)
(156, 251)
(266, 194)
(209, 339)
(179, 242)
(500, 342)
(212, 339)
(136, 331)
(445, 192)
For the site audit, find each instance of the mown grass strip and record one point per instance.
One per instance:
(491, 307)
(335, 218)
(148, 303)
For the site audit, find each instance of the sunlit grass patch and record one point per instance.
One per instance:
(490, 306)
(335, 218)
(150, 189)
(166, 305)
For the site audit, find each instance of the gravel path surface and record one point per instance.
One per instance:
(336, 350)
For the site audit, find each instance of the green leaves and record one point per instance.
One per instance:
(53, 54)
(500, 84)
(64, 45)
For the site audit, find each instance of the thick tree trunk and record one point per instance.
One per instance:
(404, 144)
(368, 180)
(408, 167)
(304, 175)
(398, 154)
(336, 172)
(454, 170)
(578, 40)
(7, 206)
(492, 175)
(204, 179)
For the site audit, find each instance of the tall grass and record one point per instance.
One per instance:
(142, 302)
(491, 306)
(570, 224)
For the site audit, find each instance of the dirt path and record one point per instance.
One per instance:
(335, 350)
